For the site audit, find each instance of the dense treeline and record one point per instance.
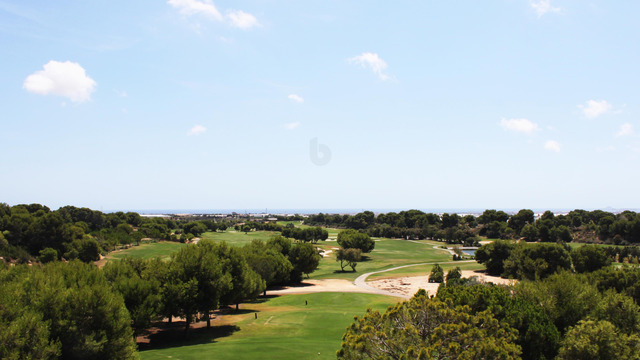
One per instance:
(565, 316)
(71, 232)
(522, 260)
(78, 311)
(581, 225)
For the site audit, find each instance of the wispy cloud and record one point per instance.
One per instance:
(594, 108)
(194, 7)
(208, 9)
(552, 145)
(67, 79)
(291, 125)
(196, 130)
(625, 130)
(542, 7)
(371, 61)
(296, 98)
(242, 20)
(519, 125)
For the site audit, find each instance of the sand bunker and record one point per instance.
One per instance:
(404, 287)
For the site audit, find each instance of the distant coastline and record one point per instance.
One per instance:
(292, 211)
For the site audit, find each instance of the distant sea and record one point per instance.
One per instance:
(473, 211)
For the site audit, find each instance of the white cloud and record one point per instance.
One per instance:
(594, 108)
(197, 130)
(372, 61)
(292, 125)
(66, 79)
(519, 125)
(296, 98)
(625, 129)
(242, 20)
(208, 9)
(552, 146)
(194, 7)
(542, 7)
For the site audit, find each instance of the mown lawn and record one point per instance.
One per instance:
(162, 249)
(285, 328)
(421, 270)
(387, 254)
(238, 238)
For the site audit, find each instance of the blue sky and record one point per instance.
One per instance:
(194, 104)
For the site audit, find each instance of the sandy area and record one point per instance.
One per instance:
(324, 285)
(407, 286)
(403, 287)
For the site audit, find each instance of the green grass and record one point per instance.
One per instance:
(161, 249)
(421, 270)
(388, 253)
(286, 328)
(238, 238)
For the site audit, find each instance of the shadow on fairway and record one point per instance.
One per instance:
(172, 335)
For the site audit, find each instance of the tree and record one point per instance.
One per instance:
(493, 255)
(280, 243)
(518, 221)
(139, 290)
(48, 255)
(245, 284)
(348, 257)
(304, 258)
(536, 261)
(593, 340)
(454, 274)
(425, 328)
(352, 239)
(268, 262)
(437, 274)
(72, 312)
(589, 258)
(529, 232)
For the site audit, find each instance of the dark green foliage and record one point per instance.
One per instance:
(589, 258)
(424, 328)
(305, 259)
(454, 274)
(566, 298)
(312, 234)
(67, 309)
(536, 261)
(348, 257)
(437, 274)
(598, 340)
(493, 255)
(48, 255)
(268, 262)
(537, 335)
(139, 289)
(352, 239)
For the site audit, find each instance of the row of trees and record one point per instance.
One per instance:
(201, 277)
(565, 316)
(78, 311)
(70, 232)
(521, 260)
(597, 225)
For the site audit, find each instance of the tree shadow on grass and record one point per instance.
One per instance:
(172, 335)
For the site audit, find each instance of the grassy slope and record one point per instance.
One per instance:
(149, 250)
(286, 328)
(387, 254)
(235, 238)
